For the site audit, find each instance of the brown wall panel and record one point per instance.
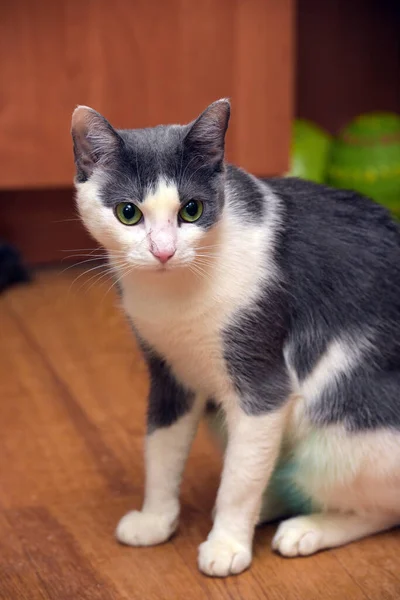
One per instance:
(141, 62)
(348, 59)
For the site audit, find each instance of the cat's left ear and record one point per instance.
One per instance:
(95, 140)
(206, 135)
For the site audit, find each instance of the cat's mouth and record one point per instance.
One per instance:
(169, 267)
(163, 267)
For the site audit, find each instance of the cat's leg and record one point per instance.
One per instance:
(302, 536)
(173, 418)
(272, 509)
(272, 506)
(253, 447)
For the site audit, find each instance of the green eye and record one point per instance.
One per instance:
(192, 211)
(128, 213)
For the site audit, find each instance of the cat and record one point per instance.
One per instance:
(272, 306)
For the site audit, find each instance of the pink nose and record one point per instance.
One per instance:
(162, 255)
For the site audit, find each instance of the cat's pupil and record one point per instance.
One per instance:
(128, 211)
(191, 208)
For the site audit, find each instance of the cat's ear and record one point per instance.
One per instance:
(94, 140)
(206, 134)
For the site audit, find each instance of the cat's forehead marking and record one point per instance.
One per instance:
(163, 200)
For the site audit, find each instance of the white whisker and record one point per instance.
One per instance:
(123, 273)
(108, 270)
(78, 264)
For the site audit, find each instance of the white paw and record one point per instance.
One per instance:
(300, 536)
(220, 557)
(145, 529)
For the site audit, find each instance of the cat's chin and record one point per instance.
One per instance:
(169, 270)
(163, 269)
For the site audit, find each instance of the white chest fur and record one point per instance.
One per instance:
(183, 316)
(191, 344)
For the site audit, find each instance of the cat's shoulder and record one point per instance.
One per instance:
(321, 208)
(320, 198)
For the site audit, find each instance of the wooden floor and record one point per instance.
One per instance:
(72, 409)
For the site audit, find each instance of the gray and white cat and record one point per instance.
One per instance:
(275, 304)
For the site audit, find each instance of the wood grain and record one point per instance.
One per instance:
(141, 63)
(72, 411)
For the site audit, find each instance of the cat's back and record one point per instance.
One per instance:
(336, 236)
(314, 216)
(315, 211)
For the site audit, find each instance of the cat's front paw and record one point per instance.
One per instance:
(300, 536)
(145, 529)
(220, 557)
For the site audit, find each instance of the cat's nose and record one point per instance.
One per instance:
(163, 255)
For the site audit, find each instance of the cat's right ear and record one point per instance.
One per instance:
(94, 139)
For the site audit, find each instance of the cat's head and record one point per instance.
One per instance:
(152, 197)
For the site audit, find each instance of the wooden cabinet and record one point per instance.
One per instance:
(141, 62)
